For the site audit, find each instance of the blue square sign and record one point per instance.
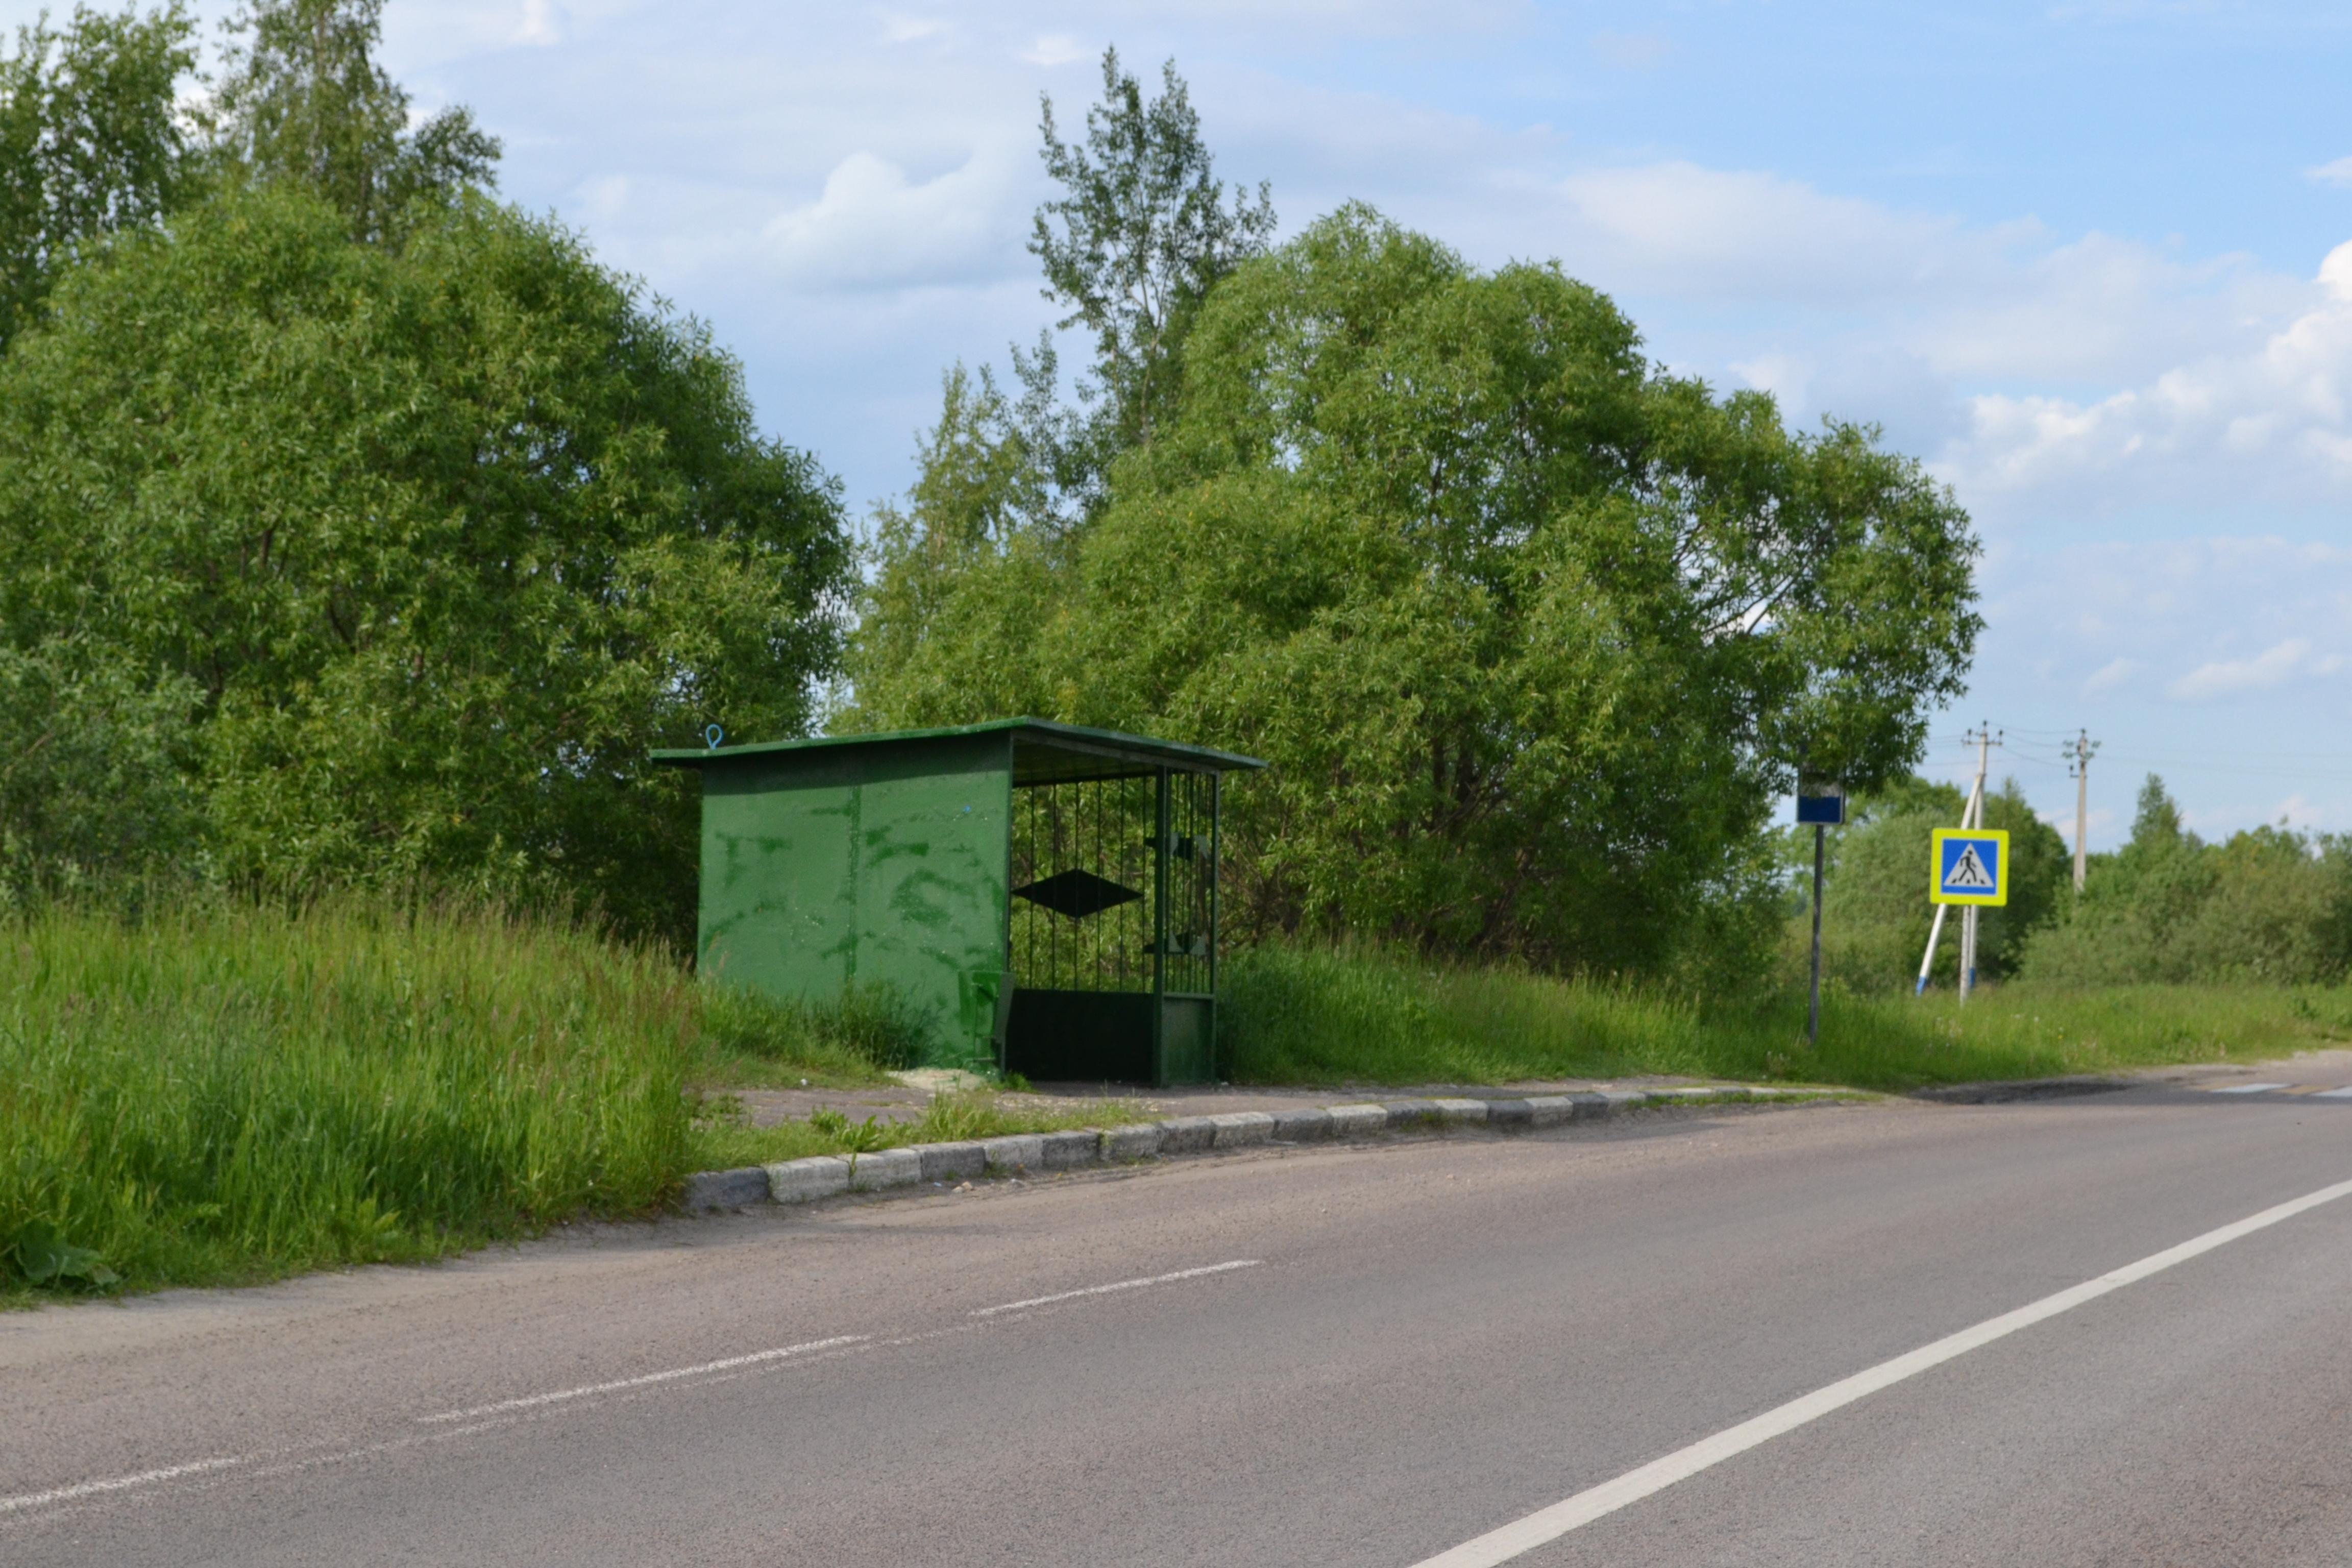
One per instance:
(1823, 808)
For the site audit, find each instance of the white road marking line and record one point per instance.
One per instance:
(2247, 1088)
(1122, 1285)
(121, 1483)
(282, 1465)
(2344, 1093)
(715, 1370)
(1549, 1524)
(754, 1358)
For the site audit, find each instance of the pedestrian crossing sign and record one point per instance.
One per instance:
(1972, 865)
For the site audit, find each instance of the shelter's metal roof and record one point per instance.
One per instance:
(1043, 751)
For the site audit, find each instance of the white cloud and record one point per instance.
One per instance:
(538, 25)
(2337, 172)
(1786, 376)
(2298, 810)
(1054, 49)
(2003, 301)
(2271, 419)
(1694, 231)
(901, 29)
(604, 200)
(2273, 667)
(2108, 676)
(1878, 313)
(874, 227)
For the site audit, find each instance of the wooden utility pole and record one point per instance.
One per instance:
(1984, 738)
(2078, 752)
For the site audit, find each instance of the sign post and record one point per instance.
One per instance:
(1971, 868)
(1823, 806)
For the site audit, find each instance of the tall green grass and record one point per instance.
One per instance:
(1361, 1015)
(749, 1041)
(223, 1093)
(218, 1094)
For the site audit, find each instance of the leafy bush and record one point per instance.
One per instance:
(2266, 906)
(92, 784)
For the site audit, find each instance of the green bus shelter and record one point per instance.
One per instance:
(1046, 893)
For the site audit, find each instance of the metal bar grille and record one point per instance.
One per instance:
(1094, 847)
(1191, 859)
(1089, 828)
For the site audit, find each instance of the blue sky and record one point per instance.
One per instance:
(2076, 258)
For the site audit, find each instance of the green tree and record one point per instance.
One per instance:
(941, 630)
(443, 538)
(303, 98)
(2040, 883)
(91, 142)
(1531, 632)
(1130, 248)
(1875, 910)
(1139, 233)
(2269, 905)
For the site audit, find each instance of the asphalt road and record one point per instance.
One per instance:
(1415, 1344)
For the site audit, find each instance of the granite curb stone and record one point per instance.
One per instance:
(1306, 1125)
(798, 1181)
(953, 1162)
(726, 1189)
(886, 1168)
(1188, 1134)
(827, 1175)
(1068, 1151)
(1138, 1140)
(1009, 1156)
(1239, 1129)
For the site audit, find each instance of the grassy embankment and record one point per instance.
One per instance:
(224, 1094)
(1293, 1016)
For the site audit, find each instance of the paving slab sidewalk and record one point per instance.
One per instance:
(900, 1102)
(1020, 1155)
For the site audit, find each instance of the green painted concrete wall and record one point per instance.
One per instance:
(831, 865)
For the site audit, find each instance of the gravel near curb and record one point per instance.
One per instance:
(1026, 1154)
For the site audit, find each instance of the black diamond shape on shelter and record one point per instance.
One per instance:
(1077, 894)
